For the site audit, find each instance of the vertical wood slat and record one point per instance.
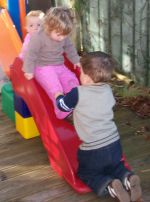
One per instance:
(99, 20)
(121, 32)
(133, 37)
(147, 71)
(121, 28)
(109, 27)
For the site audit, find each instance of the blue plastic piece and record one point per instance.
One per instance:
(21, 107)
(27, 5)
(14, 11)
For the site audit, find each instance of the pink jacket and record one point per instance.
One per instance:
(25, 46)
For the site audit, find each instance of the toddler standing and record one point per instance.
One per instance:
(45, 55)
(33, 23)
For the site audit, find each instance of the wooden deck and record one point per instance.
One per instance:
(26, 176)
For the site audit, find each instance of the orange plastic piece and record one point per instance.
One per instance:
(3, 3)
(10, 42)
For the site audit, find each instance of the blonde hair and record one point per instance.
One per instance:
(35, 13)
(98, 65)
(60, 19)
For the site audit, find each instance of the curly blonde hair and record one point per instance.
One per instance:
(60, 19)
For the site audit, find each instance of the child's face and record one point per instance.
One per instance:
(33, 24)
(57, 36)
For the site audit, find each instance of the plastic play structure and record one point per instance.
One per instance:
(58, 136)
(10, 42)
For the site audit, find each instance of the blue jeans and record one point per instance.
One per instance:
(97, 168)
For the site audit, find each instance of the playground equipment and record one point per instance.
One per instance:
(3, 3)
(8, 101)
(25, 123)
(10, 43)
(58, 136)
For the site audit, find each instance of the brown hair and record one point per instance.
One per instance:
(59, 19)
(98, 65)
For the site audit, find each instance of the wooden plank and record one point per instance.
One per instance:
(25, 173)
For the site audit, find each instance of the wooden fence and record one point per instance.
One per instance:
(119, 27)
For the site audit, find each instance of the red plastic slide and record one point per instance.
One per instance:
(58, 136)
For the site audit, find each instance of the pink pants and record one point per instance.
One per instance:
(54, 79)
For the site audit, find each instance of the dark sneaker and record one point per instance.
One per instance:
(135, 188)
(120, 192)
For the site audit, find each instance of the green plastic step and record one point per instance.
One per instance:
(8, 101)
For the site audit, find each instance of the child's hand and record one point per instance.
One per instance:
(77, 65)
(28, 76)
